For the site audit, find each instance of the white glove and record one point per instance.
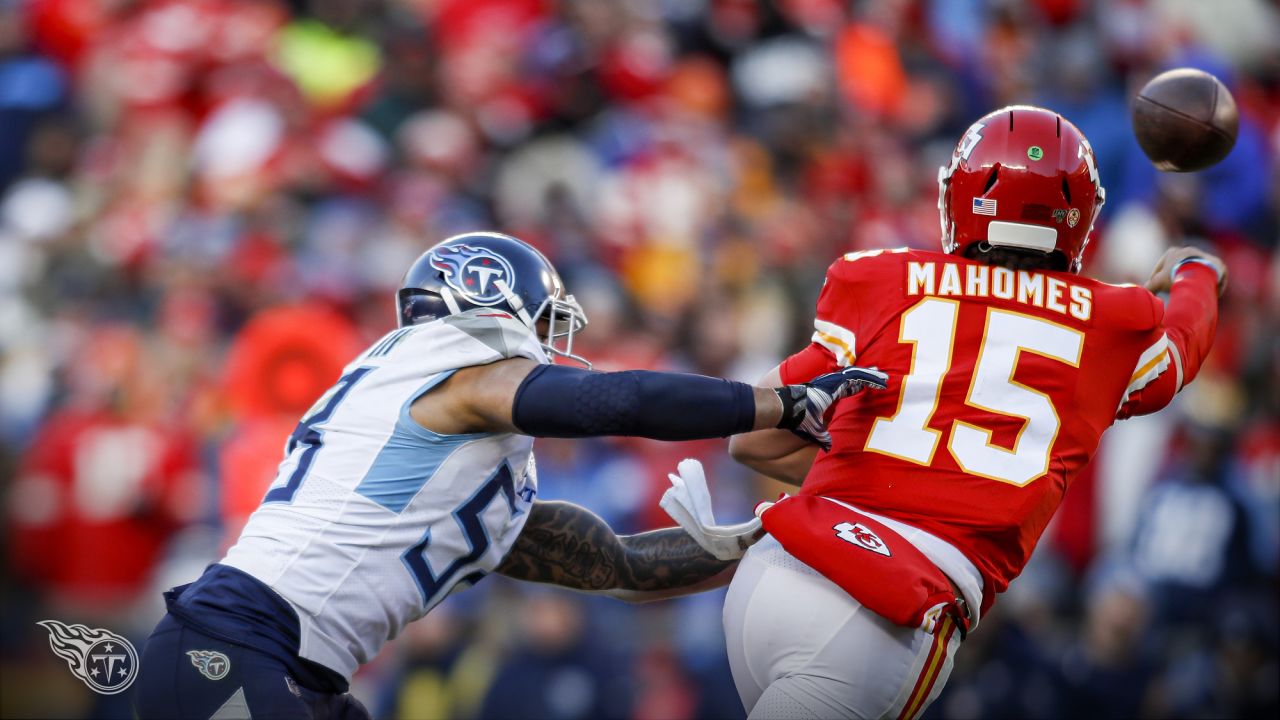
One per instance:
(688, 502)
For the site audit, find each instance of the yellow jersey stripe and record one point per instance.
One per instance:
(1151, 364)
(843, 353)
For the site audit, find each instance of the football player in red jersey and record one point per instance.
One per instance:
(1006, 367)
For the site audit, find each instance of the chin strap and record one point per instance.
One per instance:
(513, 300)
(450, 301)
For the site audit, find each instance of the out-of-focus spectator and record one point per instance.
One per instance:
(103, 485)
(555, 671)
(1108, 671)
(1192, 538)
(443, 671)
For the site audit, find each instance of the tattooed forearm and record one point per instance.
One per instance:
(568, 545)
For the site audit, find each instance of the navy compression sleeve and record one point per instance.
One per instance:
(558, 401)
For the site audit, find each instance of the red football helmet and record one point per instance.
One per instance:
(1028, 179)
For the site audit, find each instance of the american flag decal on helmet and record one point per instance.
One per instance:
(984, 206)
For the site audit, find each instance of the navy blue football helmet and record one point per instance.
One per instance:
(492, 270)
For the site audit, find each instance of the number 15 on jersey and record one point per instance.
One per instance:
(930, 327)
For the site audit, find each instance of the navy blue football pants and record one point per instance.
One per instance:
(249, 684)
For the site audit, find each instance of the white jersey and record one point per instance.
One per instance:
(373, 519)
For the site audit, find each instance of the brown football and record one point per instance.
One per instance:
(1185, 120)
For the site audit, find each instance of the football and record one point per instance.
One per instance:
(1185, 120)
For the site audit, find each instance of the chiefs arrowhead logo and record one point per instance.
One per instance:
(862, 536)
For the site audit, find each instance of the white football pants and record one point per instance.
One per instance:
(801, 647)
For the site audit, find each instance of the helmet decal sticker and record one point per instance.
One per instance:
(971, 139)
(984, 206)
(1086, 153)
(473, 272)
(962, 152)
(1035, 152)
(1073, 217)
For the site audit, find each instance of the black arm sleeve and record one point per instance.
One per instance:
(559, 401)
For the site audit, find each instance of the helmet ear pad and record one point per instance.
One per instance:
(420, 306)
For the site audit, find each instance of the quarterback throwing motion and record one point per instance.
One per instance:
(1006, 368)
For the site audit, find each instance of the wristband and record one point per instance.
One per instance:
(1173, 272)
(792, 397)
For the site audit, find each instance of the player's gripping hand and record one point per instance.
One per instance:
(1161, 279)
(804, 407)
(688, 502)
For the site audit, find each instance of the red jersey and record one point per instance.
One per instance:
(1001, 385)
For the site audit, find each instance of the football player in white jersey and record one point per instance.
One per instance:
(414, 476)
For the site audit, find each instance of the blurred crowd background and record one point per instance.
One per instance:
(207, 205)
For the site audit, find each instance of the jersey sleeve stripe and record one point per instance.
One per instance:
(838, 340)
(1151, 365)
(1163, 357)
(1177, 366)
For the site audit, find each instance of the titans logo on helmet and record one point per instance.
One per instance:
(473, 272)
(101, 659)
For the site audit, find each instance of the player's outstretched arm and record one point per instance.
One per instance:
(519, 395)
(567, 545)
(774, 453)
(522, 396)
(1194, 279)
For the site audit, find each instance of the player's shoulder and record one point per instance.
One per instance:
(479, 335)
(869, 261)
(871, 283)
(874, 266)
(497, 330)
(1123, 306)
